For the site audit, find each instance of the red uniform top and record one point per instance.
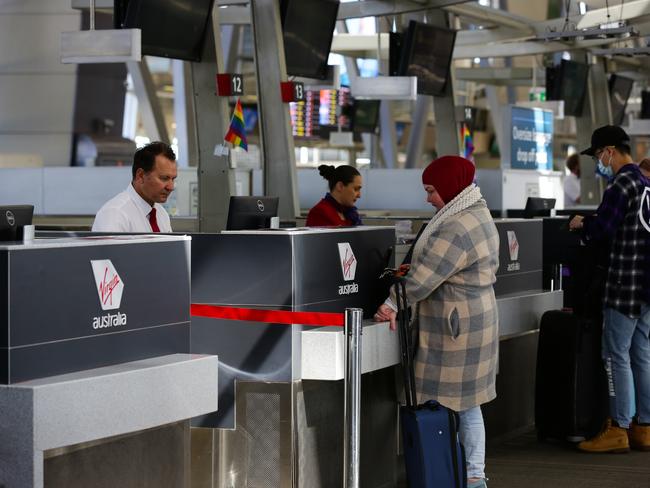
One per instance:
(323, 214)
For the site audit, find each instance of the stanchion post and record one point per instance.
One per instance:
(352, 398)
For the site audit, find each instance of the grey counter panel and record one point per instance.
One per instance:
(292, 270)
(94, 404)
(56, 320)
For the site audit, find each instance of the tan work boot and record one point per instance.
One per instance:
(610, 439)
(639, 437)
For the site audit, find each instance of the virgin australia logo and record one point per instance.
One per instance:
(348, 268)
(513, 250)
(644, 209)
(109, 284)
(109, 290)
(348, 261)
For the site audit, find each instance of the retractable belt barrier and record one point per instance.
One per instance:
(352, 394)
(326, 319)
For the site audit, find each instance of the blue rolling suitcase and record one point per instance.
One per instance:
(433, 454)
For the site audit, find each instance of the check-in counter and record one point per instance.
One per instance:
(522, 300)
(280, 414)
(94, 344)
(519, 288)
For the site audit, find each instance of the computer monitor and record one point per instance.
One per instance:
(250, 213)
(170, 28)
(365, 115)
(307, 31)
(620, 88)
(13, 219)
(538, 207)
(426, 53)
(568, 82)
(645, 105)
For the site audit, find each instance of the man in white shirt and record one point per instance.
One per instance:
(138, 208)
(572, 181)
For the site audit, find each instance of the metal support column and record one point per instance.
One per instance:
(494, 105)
(352, 398)
(277, 148)
(184, 114)
(388, 133)
(350, 63)
(596, 112)
(216, 178)
(418, 126)
(231, 36)
(145, 91)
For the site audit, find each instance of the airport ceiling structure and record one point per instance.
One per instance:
(497, 32)
(494, 32)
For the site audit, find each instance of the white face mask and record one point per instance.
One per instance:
(606, 170)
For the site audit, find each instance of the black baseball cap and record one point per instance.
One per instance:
(607, 135)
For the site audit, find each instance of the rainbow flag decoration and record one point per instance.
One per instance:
(236, 134)
(468, 147)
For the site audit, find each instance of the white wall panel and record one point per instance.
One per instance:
(383, 189)
(31, 43)
(54, 148)
(22, 187)
(394, 189)
(81, 191)
(36, 103)
(518, 185)
(36, 91)
(41, 7)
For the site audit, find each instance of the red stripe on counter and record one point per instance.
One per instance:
(267, 316)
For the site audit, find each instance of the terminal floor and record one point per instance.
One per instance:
(523, 462)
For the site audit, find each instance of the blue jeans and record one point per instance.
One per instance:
(472, 436)
(626, 353)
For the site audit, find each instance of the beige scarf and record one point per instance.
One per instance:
(466, 198)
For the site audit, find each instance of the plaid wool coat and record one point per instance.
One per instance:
(451, 281)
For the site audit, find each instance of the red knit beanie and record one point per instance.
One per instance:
(449, 175)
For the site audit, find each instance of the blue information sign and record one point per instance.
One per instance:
(531, 139)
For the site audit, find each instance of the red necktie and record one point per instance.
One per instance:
(153, 221)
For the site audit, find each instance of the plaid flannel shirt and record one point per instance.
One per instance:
(619, 220)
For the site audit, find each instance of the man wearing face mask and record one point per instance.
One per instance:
(622, 220)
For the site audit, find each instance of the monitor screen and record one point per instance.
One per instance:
(538, 207)
(307, 29)
(250, 213)
(13, 218)
(645, 105)
(395, 41)
(553, 83)
(573, 86)
(365, 115)
(619, 91)
(427, 55)
(170, 28)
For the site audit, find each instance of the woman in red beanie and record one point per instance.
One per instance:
(452, 272)
(337, 208)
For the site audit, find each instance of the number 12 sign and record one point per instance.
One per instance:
(230, 84)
